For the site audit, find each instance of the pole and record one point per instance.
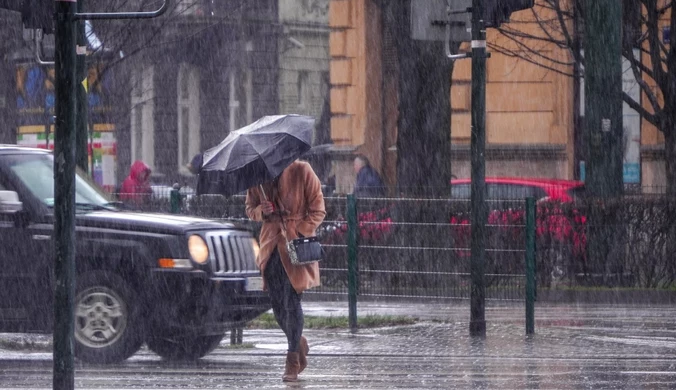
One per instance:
(479, 214)
(352, 264)
(82, 136)
(64, 194)
(530, 265)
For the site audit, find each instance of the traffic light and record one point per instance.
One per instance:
(34, 13)
(497, 12)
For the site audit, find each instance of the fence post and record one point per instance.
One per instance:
(175, 199)
(530, 265)
(352, 264)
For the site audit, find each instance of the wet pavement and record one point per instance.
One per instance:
(575, 347)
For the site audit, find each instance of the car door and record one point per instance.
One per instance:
(12, 274)
(25, 244)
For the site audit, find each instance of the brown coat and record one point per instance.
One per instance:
(299, 194)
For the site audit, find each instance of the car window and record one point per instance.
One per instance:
(513, 191)
(498, 191)
(37, 174)
(460, 191)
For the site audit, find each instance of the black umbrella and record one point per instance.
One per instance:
(318, 150)
(255, 154)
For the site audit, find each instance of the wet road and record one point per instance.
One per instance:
(575, 347)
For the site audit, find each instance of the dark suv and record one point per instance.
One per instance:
(177, 283)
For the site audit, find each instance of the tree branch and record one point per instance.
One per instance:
(652, 118)
(528, 59)
(645, 88)
(653, 31)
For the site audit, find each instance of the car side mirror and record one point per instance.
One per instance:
(10, 203)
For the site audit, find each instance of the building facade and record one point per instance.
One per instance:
(533, 111)
(218, 72)
(175, 87)
(303, 56)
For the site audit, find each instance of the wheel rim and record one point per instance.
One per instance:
(100, 317)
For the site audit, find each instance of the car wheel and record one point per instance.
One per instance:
(184, 348)
(107, 319)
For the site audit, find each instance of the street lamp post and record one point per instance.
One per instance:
(64, 193)
(479, 215)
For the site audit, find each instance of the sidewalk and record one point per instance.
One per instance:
(560, 330)
(575, 346)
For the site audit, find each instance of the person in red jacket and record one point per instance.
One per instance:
(136, 187)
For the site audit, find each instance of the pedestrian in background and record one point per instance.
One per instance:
(136, 186)
(368, 183)
(293, 202)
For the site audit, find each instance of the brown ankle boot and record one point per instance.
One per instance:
(303, 350)
(292, 367)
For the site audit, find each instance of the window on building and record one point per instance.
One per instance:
(248, 92)
(142, 115)
(234, 101)
(188, 109)
(303, 89)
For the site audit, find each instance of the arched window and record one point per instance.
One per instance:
(188, 115)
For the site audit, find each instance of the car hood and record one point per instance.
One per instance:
(148, 222)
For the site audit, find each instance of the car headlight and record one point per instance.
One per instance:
(256, 247)
(199, 251)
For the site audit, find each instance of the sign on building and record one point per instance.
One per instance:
(35, 114)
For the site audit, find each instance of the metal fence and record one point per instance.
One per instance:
(406, 247)
(413, 248)
(420, 247)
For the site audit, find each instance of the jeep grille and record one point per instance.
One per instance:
(231, 253)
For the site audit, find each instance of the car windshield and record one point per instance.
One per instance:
(36, 172)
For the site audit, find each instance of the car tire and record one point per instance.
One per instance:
(107, 319)
(184, 348)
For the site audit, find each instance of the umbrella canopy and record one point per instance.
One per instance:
(318, 150)
(255, 154)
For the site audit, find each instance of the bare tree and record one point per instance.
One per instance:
(423, 138)
(652, 60)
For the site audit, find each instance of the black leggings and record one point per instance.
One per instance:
(285, 301)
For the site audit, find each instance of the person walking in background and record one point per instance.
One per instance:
(136, 187)
(368, 183)
(293, 201)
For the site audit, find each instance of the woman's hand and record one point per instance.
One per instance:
(267, 208)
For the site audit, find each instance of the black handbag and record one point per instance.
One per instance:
(302, 250)
(305, 250)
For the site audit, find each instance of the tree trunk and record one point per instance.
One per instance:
(424, 137)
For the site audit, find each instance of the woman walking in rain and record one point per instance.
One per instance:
(293, 201)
